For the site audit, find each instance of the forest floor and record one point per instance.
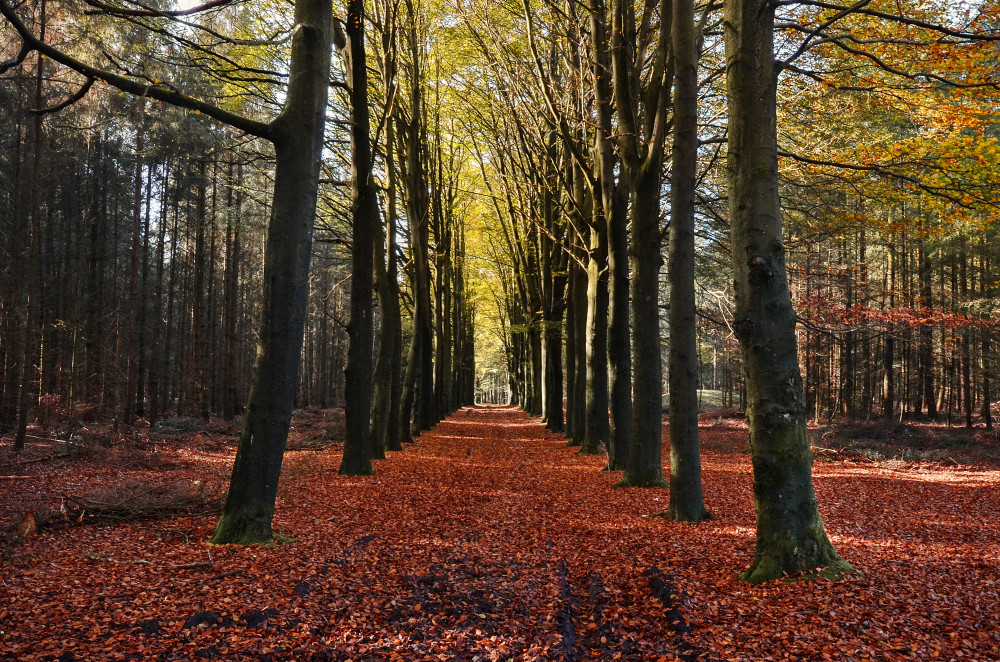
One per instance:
(488, 539)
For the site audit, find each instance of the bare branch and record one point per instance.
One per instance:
(82, 92)
(102, 8)
(156, 91)
(16, 60)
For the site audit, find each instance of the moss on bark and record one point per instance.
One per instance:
(250, 526)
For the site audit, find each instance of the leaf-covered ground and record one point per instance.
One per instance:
(490, 539)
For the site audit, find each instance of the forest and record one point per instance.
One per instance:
(499, 329)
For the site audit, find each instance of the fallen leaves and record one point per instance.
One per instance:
(517, 550)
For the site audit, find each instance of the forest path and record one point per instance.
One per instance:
(515, 546)
(490, 539)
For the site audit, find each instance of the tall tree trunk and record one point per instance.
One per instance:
(298, 141)
(408, 394)
(230, 296)
(612, 202)
(597, 427)
(418, 212)
(987, 336)
(926, 334)
(388, 384)
(29, 346)
(619, 338)
(686, 500)
(579, 393)
(791, 539)
(889, 349)
(129, 401)
(967, 398)
(571, 342)
(364, 219)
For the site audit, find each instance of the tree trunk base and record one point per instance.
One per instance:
(356, 469)
(686, 515)
(812, 557)
(251, 526)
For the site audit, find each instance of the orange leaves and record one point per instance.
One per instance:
(520, 551)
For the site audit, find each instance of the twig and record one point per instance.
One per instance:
(98, 557)
(224, 575)
(191, 566)
(36, 460)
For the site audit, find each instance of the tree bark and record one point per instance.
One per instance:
(298, 141)
(357, 459)
(385, 411)
(686, 501)
(597, 427)
(791, 539)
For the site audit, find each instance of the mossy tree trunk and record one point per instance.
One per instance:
(791, 539)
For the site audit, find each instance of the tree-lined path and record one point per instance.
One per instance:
(490, 539)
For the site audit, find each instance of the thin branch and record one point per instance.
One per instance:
(148, 11)
(82, 92)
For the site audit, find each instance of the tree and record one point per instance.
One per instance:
(297, 136)
(686, 501)
(364, 219)
(791, 539)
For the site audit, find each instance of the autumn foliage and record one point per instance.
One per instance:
(490, 539)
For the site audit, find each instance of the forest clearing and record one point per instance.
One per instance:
(490, 539)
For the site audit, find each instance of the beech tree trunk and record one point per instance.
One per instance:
(364, 217)
(298, 142)
(597, 430)
(686, 500)
(385, 409)
(791, 539)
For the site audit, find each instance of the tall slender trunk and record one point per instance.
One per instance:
(987, 338)
(686, 500)
(157, 363)
(388, 384)
(29, 346)
(889, 349)
(619, 338)
(364, 221)
(129, 401)
(597, 431)
(926, 334)
(571, 342)
(230, 295)
(967, 398)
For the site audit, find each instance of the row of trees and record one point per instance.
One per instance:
(576, 218)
